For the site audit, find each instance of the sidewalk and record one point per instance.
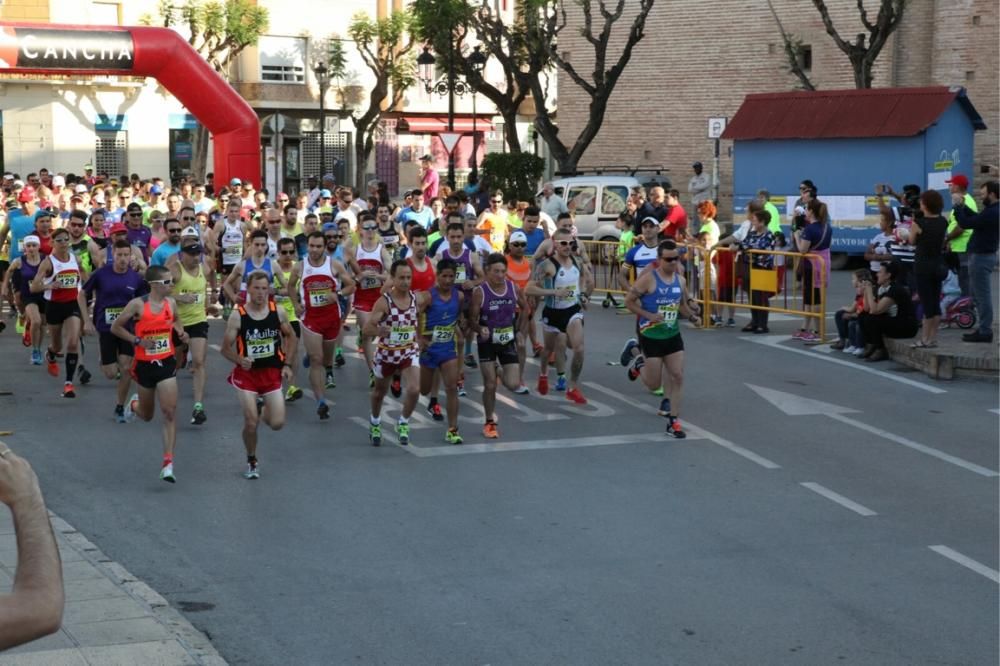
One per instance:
(110, 617)
(952, 358)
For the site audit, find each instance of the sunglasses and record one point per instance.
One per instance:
(191, 249)
(564, 243)
(165, 283)
(333, 236)
(519, 245)
(76, 224)
(288, 252)
(173, 231)
(61, 239)
(496, 201)
(669, 259)
(188, 219)
(370, 227)
(135, 214)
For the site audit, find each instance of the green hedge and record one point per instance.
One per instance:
(517, 174)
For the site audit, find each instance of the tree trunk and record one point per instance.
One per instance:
(199, 154)
(510, 132)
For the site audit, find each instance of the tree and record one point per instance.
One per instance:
(219, 32)
(386, 47)
(793, 51)
(863, 51)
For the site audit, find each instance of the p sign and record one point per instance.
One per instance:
(716, 126)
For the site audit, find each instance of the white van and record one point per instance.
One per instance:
(596, 200)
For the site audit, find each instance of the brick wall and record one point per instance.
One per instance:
(699, 59)
(29, 11)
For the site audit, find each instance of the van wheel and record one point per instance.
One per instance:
(839, 261)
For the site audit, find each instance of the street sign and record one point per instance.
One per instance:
(716, 126)
(449, 139)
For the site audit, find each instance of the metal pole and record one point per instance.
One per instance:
(715, 174)
(475, 140)
(322, 131)
(451, 111)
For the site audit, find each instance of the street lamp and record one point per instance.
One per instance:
(450, 86)
(477, 61)
(322, 77)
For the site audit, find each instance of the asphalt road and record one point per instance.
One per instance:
(583, 536)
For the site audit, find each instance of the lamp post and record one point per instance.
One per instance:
(321, 73)
(477, 61)
(450, 85)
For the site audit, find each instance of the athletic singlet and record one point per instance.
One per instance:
(158, 327)
(565, 278)
(666, 300)
(281, 295)
(231, 243)
(64, 283)
(389, 236)
(192, 313)
(422, 280)
(82, 253)
(440, 318)
(640, 256)
(260, 339)
(337, 254)
(498, 311)
(369, 287)
(318, 289)
(249, 267)
(464, 272)
(519, 271)
(272, 249)
(402, 326)
(28, 273)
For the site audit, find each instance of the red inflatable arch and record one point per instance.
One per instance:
(161, 53)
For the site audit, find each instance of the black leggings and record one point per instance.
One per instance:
(878, 327)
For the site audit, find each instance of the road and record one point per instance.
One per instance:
(818, 513)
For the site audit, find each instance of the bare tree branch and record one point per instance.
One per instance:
(791, 51)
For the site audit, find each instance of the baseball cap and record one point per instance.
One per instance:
(325, 194)
(328, 226)
(27, 194)
(117, 228)
(80, 188)
(58, 181)
(235, 182)
(134, 207)
(8, 176)
(959, 179)
(325, 210)
(696, 164)
(427, 158)
(189, 232)
(518, 237)
(156, 189)
(329, 177)
(650, 220)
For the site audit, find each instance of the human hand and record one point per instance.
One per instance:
(957, 198)
(287, 374)
(245, 363)
(88, 328)
(18, 482)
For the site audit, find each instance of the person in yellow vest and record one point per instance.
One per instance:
(493, 222)
(957, 237)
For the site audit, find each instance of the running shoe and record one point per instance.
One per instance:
(850, 349)
(543, 384)
(797, 335)
(294, 393)
(490, 430)
(626, 355)
(470, 361)
(574, 395)
(522, 390)
(537, 349)
(435, 412)
(83, 375)
(730, 323)
(51, 364)
(717, 321)
(674, 427)
(323, 410)
(21, 325)
(658, 392)
(68, 391)
(635, 368)
(36, 357)
(810, 336)
(403, 433)
(338, 359)
(167, 473)
(452, 437)
(252, 471)
(119, 414)
(396, 387)
(375, 434)
(330, 382)
(561, 383)
(461, 389)
(664, 409)
(130, 406)
(25, 331)
(198, 416)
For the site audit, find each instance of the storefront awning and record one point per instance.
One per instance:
(435, 124)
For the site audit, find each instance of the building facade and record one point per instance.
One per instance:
(696, 62)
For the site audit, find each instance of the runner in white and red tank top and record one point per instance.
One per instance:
(370, 262)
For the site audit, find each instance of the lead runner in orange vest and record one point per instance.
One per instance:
(154, 368)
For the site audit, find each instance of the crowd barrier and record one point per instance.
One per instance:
(731, 281)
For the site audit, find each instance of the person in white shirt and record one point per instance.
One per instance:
(550, 203)
(700, 185)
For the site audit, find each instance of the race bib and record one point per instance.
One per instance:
(443, 334)
(199, 297)
(320, 297)
(161, 343)
(111, 314)
(669, 313)
(503, 336)
(460, 275)
(232, 253)
(400, 336)
(260, 349)
(370, 282)
(67, 280)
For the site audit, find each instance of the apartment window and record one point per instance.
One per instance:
(805, 57)
(105, 13)
(282, 59)
(111, 152)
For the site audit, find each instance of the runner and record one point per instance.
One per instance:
(439, 340)
(192, 274)
(640, 255)
(389, 231)
(393, 319)
(493, 316)
(519, 272)
(117, 232)
(468, 276)
(334, 235)
(257, 261)
(154, 368)
(656, 298)
(19, 277)
(566, 283)
(370, 262)
(314, 285)
(59, 277)
(261, 342)
(232, 243)
(287, 253)
(422, 271)
(112, 286)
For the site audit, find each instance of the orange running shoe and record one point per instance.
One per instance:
(490, 430)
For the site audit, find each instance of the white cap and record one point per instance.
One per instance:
(18, 183)
(8, 176)
(58, 181)
(80, 188)
(189, 232)
(518, 236)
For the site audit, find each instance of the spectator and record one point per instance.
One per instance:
(655, 208)
(982, 251)
(700, 186)
(814, 243)
(888, 312)
(849, 337)
(674, 225)
(928, 236)
(551, 203)
(429, 179)
(774, 223)
(957, 237)
(34, 608)
(878, 249)
(706, 214)
(724, 256)
(758, 238)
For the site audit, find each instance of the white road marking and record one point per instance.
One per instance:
(967, 562)
(839, 499)
(527, 414)
(692, 429)
(500, 446)
(916, 446)
(995, 411)
(773, 341)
